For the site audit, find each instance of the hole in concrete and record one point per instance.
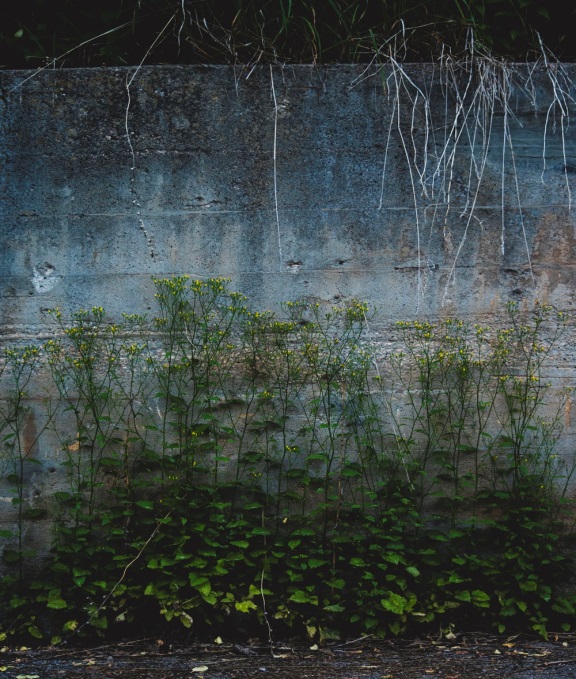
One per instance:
(294, 265)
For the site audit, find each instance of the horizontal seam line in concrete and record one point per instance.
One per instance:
(175, 213)
(512, 269)
(227, 274)
(287, 272)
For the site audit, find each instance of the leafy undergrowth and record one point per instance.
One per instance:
(237, 472)
(220, 565)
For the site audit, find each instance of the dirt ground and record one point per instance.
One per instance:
(470, 656)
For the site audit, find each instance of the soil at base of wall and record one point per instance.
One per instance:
(464, 657)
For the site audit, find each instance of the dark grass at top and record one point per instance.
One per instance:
(36, 33)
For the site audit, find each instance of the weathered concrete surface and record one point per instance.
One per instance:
(296, 181)
(425, 192)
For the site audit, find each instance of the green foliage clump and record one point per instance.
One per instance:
(227, 465)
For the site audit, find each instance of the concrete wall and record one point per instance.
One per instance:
(293, 181)
(425, 191)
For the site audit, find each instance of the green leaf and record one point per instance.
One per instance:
(357, 561)
(258, 530)
(252, 505)
(392, 557)
(70, 626)
(185, 619)
(334, 608)
(464, 595)
(480, 598)
(316, 563)
(394, 603)
(204, 589)
(99, 623)
(209, 598)
(56, 602)
(302, 597)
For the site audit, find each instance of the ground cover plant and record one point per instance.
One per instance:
(229, 468)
